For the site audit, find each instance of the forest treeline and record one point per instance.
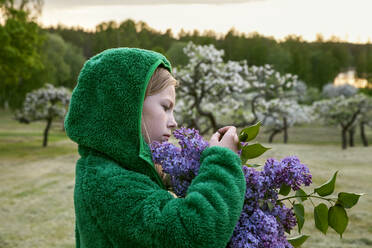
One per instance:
(316, 63)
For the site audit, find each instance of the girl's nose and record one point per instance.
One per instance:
(173, 123)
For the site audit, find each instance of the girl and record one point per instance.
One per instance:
(123, 101)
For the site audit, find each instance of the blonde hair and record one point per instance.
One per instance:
(159, 81)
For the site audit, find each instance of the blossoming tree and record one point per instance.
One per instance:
(345, 112)
(216, 93)
(46, 103)
(330, 90)
(267, 84)
(274, 100)
(278, 114)
(366, 120)
(210, 88)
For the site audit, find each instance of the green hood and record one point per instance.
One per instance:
(104, 115)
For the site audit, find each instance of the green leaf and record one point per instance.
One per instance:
(270, 205)
(301, 195)
(261, 203)
(252, 151)
(253, 165)
(300, 215)
(298, 240)
(337, 219)
(284, 189)
(321, 217)
(328, 187)
(249, 133)
(279, 203)
(348, 200)
(243, 137)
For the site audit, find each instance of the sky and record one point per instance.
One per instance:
(349, 20)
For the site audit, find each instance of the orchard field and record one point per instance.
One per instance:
(36, 184)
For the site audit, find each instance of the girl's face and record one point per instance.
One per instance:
(158, 119)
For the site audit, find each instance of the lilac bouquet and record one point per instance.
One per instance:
(264, 218)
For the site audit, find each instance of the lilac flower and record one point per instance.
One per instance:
(289, 171)
(263, 221)
(267, 225)
(286, 217)
(258, 229)
(182, 164)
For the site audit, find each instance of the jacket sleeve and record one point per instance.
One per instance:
(133, 211)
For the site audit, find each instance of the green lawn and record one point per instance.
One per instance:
(314, 134)
(23, 142)
(36, 183)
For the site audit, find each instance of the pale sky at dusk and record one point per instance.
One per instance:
(348, 19)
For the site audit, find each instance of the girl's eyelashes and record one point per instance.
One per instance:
(165, 107)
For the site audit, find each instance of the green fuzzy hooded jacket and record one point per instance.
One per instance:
(119, 198)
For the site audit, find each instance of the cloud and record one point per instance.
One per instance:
(82, 3)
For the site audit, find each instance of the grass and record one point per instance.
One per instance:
(36, 183)
(314, 134)
(23, 142)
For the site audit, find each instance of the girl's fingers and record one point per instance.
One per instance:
(215, 137)
(223, 130)
(173, 194)
(231, 130)
(236, 138)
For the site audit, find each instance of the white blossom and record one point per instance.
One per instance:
(44, 103)
(340, 110)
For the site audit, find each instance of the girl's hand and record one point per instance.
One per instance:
(225, 137)
(165, 178)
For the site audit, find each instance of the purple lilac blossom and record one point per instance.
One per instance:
(289, 171)
(182, 164)
(263, 221)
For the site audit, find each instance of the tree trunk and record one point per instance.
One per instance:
(198, 99)
(285, 129)
(46, 131)
(63, 125)
(346, 127)
(344, 138)
(194, 124)
(271, 138)
(363, 134)
(351, 136)
(253, 109)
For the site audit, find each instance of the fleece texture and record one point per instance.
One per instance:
(119, 198)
